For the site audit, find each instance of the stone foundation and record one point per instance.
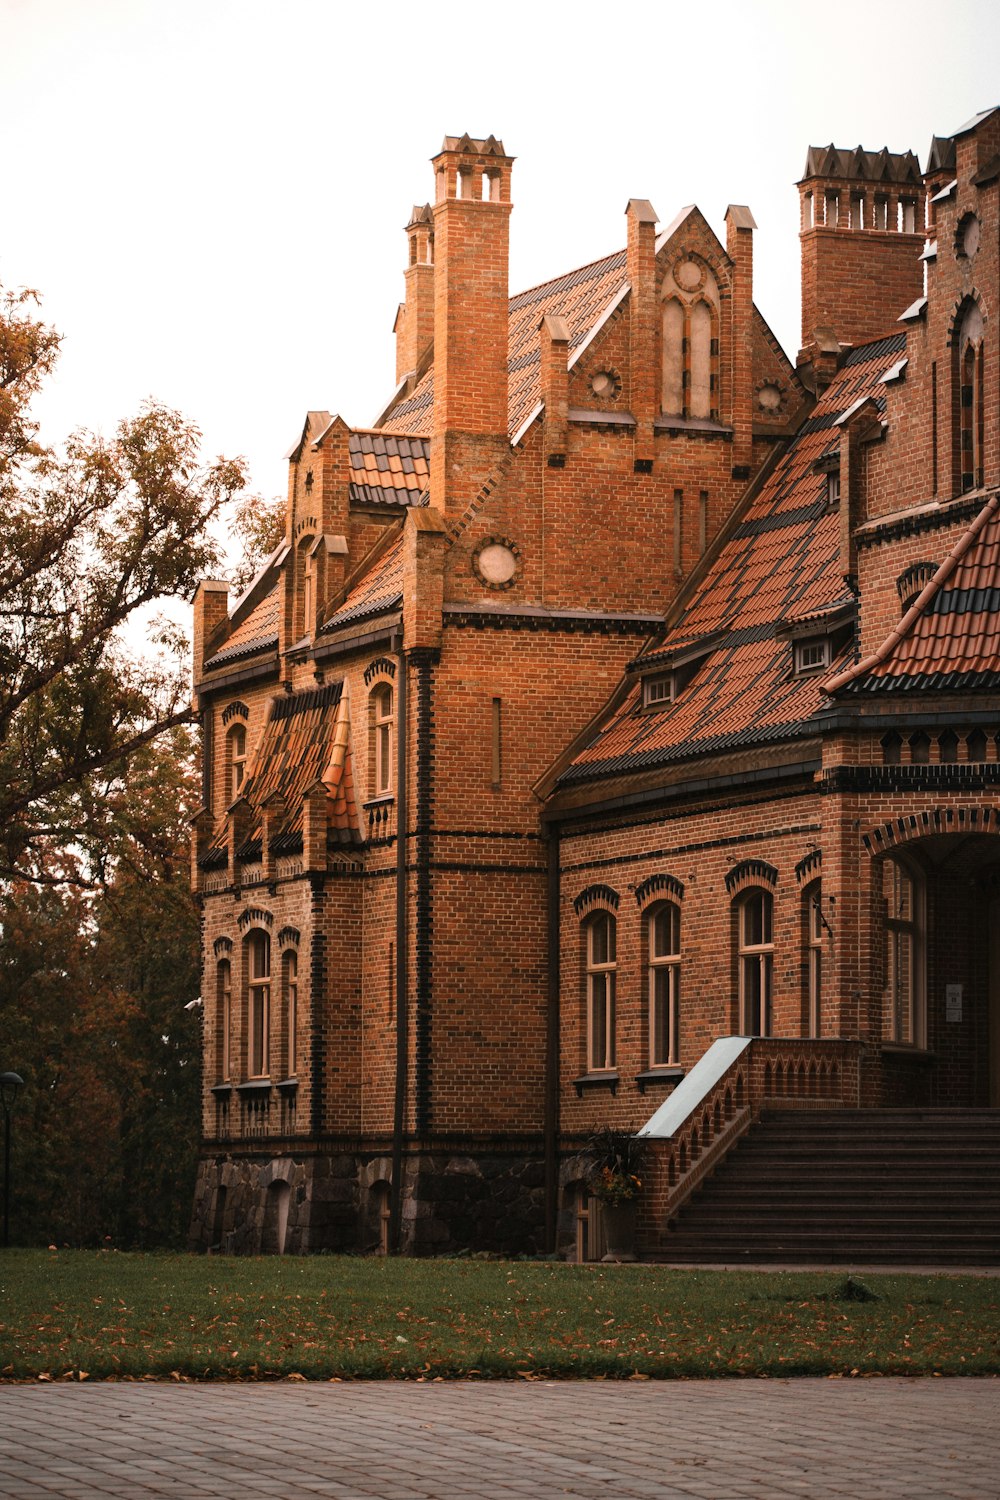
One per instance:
(293, 1205)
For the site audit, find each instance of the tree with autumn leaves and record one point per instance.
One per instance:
(98, 933)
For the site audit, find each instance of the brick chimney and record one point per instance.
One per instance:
(640, 255)
(471, 237)
(414, 326)
(740, 225)
(862, 238)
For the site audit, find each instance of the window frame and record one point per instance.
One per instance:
(236, 760)
(601, 991)
(290, 987)
(757, 957)
(258, 1049)
(383, 726)
(813, 923)
(818, 643)
(668, 965)
(905, 934)
(224, 1020)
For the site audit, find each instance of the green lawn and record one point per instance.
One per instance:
(66, 1314)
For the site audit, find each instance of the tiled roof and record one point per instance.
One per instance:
(257, 632)
(379, 590)
(580, 297)
(305, 740)
(388, 469)
(868, 166)
(950, 635)
(778, 564)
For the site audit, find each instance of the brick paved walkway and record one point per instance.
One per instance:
(722, 1440)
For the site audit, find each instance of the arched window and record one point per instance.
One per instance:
(756, 961)
(382, 722)
(236, 760)
(601, 975)
(664, 937)
(968, 353)
(290, 985)
(903, 893)
(813, 923)
(258, 951)
(224, 1018)
(690, 341)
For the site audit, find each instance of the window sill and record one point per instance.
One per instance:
(288, 1087)
(671, 1074)
(381, 800)
(254, 1088)
(595, 1081)
(909, 1052)
(222, 1091)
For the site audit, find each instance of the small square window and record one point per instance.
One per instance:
(657, 690)
(812, 656)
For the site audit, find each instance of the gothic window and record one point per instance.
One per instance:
(690, 341)
(258, 957)
(601, 977)
(813, 915)
(224, 1018)
(236, 760)
(290, 977)
(382, 724)
(903, 894)
(968, 353)
(664, 936)
(755, 936)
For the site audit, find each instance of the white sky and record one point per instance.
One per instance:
(210, 194)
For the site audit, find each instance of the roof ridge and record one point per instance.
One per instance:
(575, 271)
(919, 606)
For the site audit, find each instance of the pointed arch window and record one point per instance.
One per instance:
(258, 958)
(382, 735)
(755, 917)
(602, 962)
(968, 353)
(690, 342)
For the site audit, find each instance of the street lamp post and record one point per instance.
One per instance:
(10, 1083)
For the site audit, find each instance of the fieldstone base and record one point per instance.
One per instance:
(259, 1205)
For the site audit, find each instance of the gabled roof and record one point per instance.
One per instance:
(257, 632)
(950, 635)
(306, 740)
(581, 297)
(777, 567)
(379, 589)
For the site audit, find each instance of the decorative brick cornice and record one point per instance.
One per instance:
(255, 916)
(931, 820)
(235, 710)
(659, 885)
(222, 947)
(750, 872)
(596, 896)
(951, 777)
(382, 666)
(289, 937)
(808, 868)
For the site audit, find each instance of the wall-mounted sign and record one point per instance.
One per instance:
(953, 1001)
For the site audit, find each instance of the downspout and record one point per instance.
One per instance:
(551, 1117)
(402, 965)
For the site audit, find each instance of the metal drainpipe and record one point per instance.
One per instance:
(402, 965)
(551, 1117)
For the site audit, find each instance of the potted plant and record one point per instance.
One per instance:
(617, 1158)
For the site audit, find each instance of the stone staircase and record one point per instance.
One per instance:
(875, 1187)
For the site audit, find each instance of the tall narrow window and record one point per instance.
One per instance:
(673, 357)
(756, 962)
(968, 377)
(601, 974)
(814, 957)
(664, 984)
(291, 978)
(236, 744)
(678, 532)
(224, 994)
(702, 520)
(905, 1021)
(382, 728)
(701, 360)
(259, 1004)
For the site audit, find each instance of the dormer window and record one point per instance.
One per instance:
(812, 656)
(833, 488)
(657, 691)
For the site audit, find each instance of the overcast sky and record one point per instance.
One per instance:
(210, 194)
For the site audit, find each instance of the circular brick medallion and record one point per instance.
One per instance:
(496, 561)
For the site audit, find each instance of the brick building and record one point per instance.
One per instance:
(627, 687)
